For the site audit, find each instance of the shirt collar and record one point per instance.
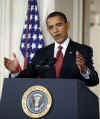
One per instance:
(64, 44)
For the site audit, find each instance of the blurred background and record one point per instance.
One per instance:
(84, 16)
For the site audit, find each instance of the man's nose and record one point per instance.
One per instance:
(55, 29)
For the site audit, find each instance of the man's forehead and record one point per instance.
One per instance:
(55, 19)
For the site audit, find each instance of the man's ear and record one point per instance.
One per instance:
(48, 29)
(68, 25)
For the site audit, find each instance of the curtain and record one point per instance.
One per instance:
(4, 36)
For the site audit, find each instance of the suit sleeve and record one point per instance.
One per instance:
(93, 77)
(30, 71)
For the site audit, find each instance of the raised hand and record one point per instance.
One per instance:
(11, 65)
(80, 61)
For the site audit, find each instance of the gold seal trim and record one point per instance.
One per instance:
(24, 101)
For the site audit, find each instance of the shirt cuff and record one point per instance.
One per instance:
(13, 75)
(86, 75)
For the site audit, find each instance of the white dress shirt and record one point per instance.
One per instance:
(64, 47)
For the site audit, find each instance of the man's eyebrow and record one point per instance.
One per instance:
(56, 24)
(50, 26)
(59, 23)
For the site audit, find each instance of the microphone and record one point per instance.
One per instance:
(52, 61)
(45, 64)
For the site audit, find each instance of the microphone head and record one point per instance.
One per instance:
(45, 64)
(52, 61)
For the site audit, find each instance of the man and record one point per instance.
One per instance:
(63, 59)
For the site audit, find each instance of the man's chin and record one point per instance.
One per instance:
(59, 41)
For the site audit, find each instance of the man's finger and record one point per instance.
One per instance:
(77, 53)
(14, 55)
(6, 60)
(15, 58)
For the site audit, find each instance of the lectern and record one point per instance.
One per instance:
(71, 99)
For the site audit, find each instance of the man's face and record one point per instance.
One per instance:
(58, 28)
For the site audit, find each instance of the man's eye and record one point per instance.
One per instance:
(59, 24)
(50, 27)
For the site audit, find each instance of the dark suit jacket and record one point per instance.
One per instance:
(43, 64)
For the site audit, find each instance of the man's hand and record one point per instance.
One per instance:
(11, 65)
(80, 61)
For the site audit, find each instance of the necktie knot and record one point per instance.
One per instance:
(60, 47)
(59, 51)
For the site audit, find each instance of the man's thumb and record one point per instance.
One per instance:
(15, 58)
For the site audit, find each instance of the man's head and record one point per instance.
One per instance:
(58, 26)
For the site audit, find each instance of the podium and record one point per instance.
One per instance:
(71, 99)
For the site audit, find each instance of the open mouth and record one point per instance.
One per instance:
(57, 36)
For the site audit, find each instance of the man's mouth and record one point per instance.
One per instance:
(57, 36)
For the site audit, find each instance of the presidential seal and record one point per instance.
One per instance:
(36, 101)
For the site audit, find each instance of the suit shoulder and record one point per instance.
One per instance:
(82, 46)
(45, 49)
(49, 46)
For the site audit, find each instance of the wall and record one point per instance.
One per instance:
(92, 35)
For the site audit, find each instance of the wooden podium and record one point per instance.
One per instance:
(71, 99)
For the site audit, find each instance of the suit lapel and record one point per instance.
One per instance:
(51, 51)
(69, 58)
(70, 51)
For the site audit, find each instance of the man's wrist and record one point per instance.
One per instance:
(86, 75)
(13, 75)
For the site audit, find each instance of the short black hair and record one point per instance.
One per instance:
(57, 13)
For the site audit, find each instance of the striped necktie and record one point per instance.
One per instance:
(59, 61)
